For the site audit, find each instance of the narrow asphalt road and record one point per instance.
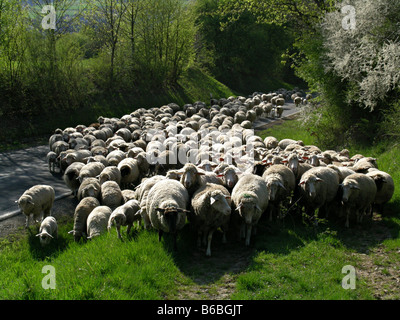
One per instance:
(22, 169)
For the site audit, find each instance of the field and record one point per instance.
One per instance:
(287, 260)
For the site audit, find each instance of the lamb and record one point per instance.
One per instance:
(281, 183)
(271, 142)
(52, 162)
(90, 170)
(90, 187)
(111, 195)
(125, 215)
(385, 188)
(82, 211)
(97, 221)
(358, 194)
(110, 174)
(130, 173)
(250, 198)
(166, 205)
(37, 201)
(48, 230)
(319, 187)
(211, 209)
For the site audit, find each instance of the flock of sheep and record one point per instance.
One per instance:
(169, 165)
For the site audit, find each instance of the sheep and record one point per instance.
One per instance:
(280, 182)
(285, 142)
(192, 177)
(166, 206)
(90, 187)
(210, 209)
(82, 211)
(297, 101)
(271, 142)
(48, 230)
(358, 194)
(37, 201)
(385, 188)
(130, 173)
(362, 165)
(90, 170)
(318, 188)
(128, 194)
(71, 177)
(250, 199)
(125, 215)
(110, 174)
(97, 221)
(51, 160)
(111, 195)
(229, 176)
(141, 195)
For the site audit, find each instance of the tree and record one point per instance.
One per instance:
(104, 21)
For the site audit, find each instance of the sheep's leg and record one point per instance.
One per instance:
(248, 234)
(198, 239)
(208, 252)
(205, 238)
(118, 227)
(242, 233)
(160, 233)
(27, 221)
(175, 242)
(128, 229)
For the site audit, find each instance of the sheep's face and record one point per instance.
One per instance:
(221, 203)
(26, 204)
(309, 186)
(349, 190)
(170, 217)
(248, 208)
(44, 238)
(189, 178)
(274, 186)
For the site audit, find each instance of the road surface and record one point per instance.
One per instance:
(22, 169)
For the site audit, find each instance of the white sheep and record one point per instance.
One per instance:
(97, 221)
(90, 170)
(48, 230)
(211, 209)
(110, 173)
(385, 188)
(250, 199)
(90, 187)
(166, 206)
(111, 195)
(281, 183)
(358, 194)
(71, 177)
(319, 187)
(52, 162)
(130, 172)
(82, 211)
(37, 201)
(125, 215)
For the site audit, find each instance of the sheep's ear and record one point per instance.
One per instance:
(183, 210)
(71, 232)
(212, 200)
(239, 206)
(355, 187)
(281, 185)
(38, 235)
(319, 180)
(302, 182)
(227, 197)
(16, 201)
(220, 175)
(258, 207)
(160, 210)
(199, 173)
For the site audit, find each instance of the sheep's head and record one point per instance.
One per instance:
(170, 217)
(248, 207)
(349, 188)
(44, 238)
(26, 204)
(309, 185)
(274, 185)
(190, 175)
(220, 202)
